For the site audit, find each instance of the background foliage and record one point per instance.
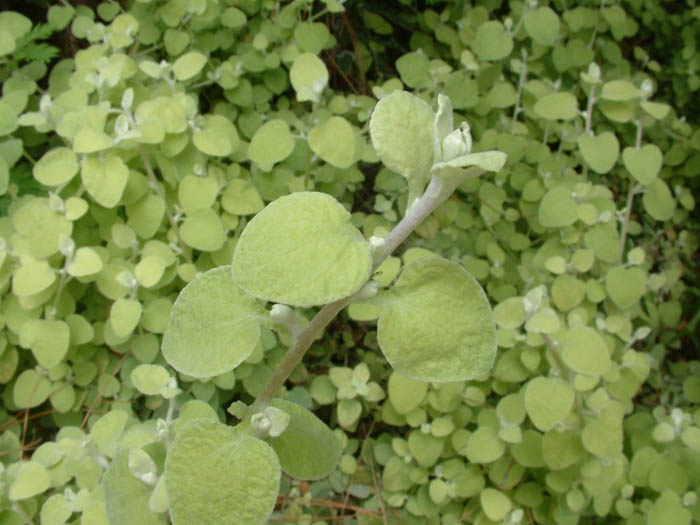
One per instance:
(138, 138)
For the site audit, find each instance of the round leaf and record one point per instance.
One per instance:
(215, 475)
(202, 230)
(644, 163)
(406, 393)
(600, 152)
(625, 286)
(213, 326)
(188, 65)
(542, 24)
(548, 401)
(585, 351)
(334, 142)
(307, 449)
(30, 389)
(401, 127)
(557, 106)
(86, 261)
(658, 200)
(436, 325)
(149, 379)
(272, 143)
(218, 137)
(241, 198)
(105, 179)
(309, 77)
(302, 250)
(31, 479)
(492, 41)
(125, 316)
(57, 166)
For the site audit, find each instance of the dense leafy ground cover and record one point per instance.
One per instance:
(138, 139)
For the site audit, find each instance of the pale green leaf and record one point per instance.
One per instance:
(585, 352)
(57, 166)
(600, 152)
(213, 326)
(216, 475)
(105, 179)
(436, 323)
(272, 143)
(309, 77)
(334, 142)
(644, 163)
(302, 250)
(548, 401)
(307, 449)
(31, 479)
(189, 65)
(149, 379)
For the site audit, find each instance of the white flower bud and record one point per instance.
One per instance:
(457, 143)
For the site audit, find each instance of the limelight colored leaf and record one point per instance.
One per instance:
(126, 497)
(302, 250)
(272, 143)
(213, 326)
(218, 475)
(309, 77)
(307, 449)
(334, 142)
(548, 401)
(436, 323)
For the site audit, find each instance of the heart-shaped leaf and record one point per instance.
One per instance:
(600, 152)
(625, 286)
(213, 325)
(218, 475)
(302, 250)
(548, 401)
(436, 323)
(644, 163)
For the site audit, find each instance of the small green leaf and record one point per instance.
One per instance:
(548, 401)
(89, 140)
(49, 340)
(105, 432)
(311, 37)
(557, 106)
(203, 230)
(492, 41)
(57, 166)
(214, 326)
(309, 77)
(643, 164)
(542, 24)
(600, 152)
(658, 200)
(334, 142)
(32, 277)
(241, 198)
(625, 286)
(302, 250)
(218, 475)
(105, 179)
(585, 351)
(125, 316)
(86, 261)
(406, 393)
(495, 503)
(149, 379)
(484, 446)
(189, 65)
(307, 449)
(126, 496)
(31, 479)
(218, 137)
(195, 193)
(414, 69)
(272, 143)
(436, 323)
(30, 389)
(620, 90)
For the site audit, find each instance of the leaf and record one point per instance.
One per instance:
(425, 448)
(484, 446)
(88, 140)
(105, 179)
(214, 326)
(189, 65)
(620, 90)
(30, 389)
(302, 250)
(557, 106)
(49, 340)
(625, 286)
(218, 475)
(311, 36)
(658, 200)
(31, 479)
(57, 166)
(492, 41)
(125, 316)
(32, 277)
(334, 142)
(309, 77)
(600, 152)
(203, 230)
(436, 323)
(406, 393)
(644, 163)
(149, 379)
(401, 128)
(272, 143)
(548, 401)
(86, 261)
(495, 503)
(105, 432)
(307, 449)
(126, 497)
(241, 198)
(585, 351)
(542, 24)
(414, 69)
(218, 137)
(195, 193)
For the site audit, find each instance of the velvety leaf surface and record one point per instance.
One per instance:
(436, 324)
(216, 475)
(213, 325)
(301, 250)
